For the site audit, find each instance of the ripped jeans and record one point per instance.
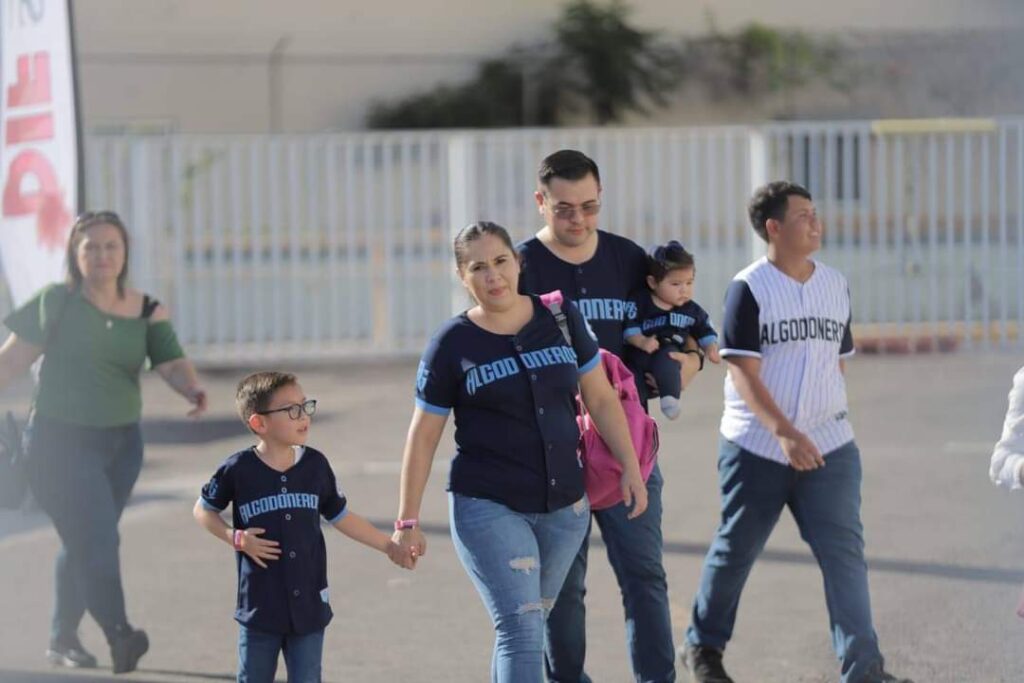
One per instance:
(517, 562)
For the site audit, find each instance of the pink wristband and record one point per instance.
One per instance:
(237, 539)
(406, 524)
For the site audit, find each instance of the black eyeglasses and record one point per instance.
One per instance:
(295, 410)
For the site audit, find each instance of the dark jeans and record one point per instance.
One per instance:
(826, 506)
(258, 652)
(82, 478)
(635, 553)
(664, 370)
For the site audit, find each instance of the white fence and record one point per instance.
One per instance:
(329, 246)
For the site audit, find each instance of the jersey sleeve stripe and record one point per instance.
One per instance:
(590, 364)
(431, 408)
(209, 506)
(739, 352)
(338, 517)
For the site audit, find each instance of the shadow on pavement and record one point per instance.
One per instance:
(30, 517)
(99, 676)
(875, 564)
(62, 677)
(170, 431)
(188, 431)
(194, 676)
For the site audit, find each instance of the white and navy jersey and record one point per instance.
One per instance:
(650, 320)
(515, 408)
(290, 596)
(600, 287)
(799, 331)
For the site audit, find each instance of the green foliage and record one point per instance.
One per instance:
(759, 60)
(613, 67)
(494, 98)
(597, 61)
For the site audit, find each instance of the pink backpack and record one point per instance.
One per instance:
(601, 471)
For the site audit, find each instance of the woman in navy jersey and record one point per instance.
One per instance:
(517, 506)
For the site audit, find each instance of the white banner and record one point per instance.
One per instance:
(39, 157)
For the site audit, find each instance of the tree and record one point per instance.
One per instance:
(758, 60)
(597, 60)
(610, 65)
(494, 98)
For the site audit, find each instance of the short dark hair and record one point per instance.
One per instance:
(85, 221)
(473, 232)
(770, 201)
(665, 258)
(256, 391)
(567, 164)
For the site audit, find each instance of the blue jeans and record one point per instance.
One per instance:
(634, 551)
(258, 652)
(517, 562)
(82, 478)
(826, 506)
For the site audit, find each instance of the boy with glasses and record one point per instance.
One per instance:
(279, 489)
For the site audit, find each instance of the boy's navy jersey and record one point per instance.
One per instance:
(600, 287)
(290, 596)
(515, 409)
(799, 331)
(688, 320)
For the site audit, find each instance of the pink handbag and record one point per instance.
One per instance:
(601, 471)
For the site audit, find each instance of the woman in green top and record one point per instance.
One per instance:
(83, 442)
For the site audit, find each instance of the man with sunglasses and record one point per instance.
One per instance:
(598, 270)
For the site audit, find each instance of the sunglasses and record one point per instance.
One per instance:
(566, 212)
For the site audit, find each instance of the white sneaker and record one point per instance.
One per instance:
(670, 407)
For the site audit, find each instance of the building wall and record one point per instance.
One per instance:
(312, 65)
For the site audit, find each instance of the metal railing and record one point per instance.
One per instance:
(329, 246)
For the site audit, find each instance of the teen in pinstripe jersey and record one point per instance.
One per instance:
(786, 440)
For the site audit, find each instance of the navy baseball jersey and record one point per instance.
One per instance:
(290, 596)
(600, 287)
(799, 331)
(515, 411)
(688, 320)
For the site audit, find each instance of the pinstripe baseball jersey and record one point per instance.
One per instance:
(799, 331)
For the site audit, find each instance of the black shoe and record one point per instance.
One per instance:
(879, 675)
(71, 654)
(704, 664)
(127, 649)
